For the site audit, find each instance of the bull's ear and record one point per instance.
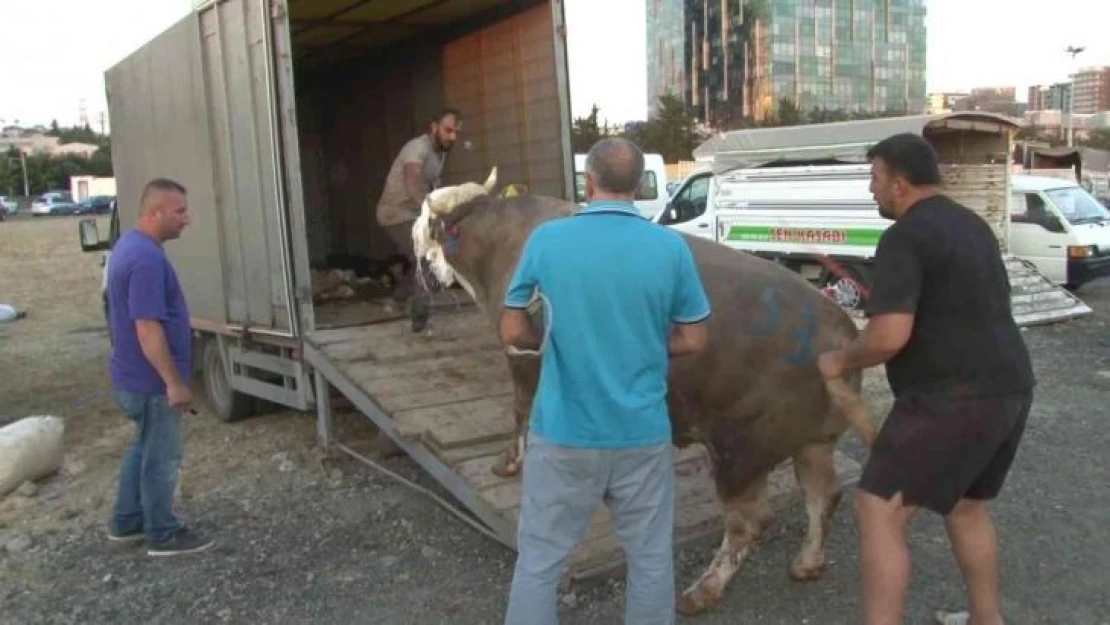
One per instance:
(492, 180)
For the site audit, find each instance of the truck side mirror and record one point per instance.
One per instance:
(90, 237)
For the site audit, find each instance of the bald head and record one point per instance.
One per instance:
(616, 166)
(163, 212)
(155, 193)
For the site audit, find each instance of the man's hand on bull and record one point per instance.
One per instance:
(831, 364)
(882, 339)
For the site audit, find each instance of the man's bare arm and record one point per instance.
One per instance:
(688, 338)
(517, 330)
(412, 183)
(152, 340)
(884, 336)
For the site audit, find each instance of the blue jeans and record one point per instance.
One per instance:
(148, 473)
(562, 487)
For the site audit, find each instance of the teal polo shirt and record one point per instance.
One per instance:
(615, 283)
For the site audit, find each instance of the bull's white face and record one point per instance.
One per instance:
(436, 204)
(427, 249)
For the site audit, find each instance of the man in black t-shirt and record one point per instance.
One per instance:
(940, 319)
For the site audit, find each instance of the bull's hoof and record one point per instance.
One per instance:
(506, 466)
(694, 602)
(806, 573)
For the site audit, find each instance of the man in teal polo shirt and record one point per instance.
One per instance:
(624, 296)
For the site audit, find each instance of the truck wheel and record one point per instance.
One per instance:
(228, 404)
(848, 286)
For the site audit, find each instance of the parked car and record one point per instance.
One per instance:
(8, 206)
(96, 204)
(52, 204)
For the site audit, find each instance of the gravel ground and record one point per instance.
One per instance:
(309, 539)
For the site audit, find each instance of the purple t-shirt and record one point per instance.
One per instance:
(143, 285)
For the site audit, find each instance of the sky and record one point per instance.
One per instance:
(53, 53)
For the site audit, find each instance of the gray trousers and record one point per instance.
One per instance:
(562, 487)
(409, 286)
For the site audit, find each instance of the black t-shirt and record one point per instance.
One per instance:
(942, 262)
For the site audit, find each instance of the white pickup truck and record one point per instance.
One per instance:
(807, 216)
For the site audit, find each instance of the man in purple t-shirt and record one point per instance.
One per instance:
(150, 371)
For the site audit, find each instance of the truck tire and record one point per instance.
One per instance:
(848, 287)
(228, 404)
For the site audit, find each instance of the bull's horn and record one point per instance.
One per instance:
(492, 180)
(439, 201)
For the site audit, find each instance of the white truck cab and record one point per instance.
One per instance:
(805, 217)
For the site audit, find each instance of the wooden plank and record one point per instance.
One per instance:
(458, 455)
(460, 425)
(444, 396)
(367, 371)
(401, 346)
(387, 381)
(407, 348)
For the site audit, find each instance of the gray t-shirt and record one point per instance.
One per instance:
(395, 206)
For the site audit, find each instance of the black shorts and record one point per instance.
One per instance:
(938, 450)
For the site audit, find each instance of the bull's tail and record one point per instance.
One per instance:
(852, 406)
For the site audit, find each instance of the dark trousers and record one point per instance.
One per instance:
(410, 287)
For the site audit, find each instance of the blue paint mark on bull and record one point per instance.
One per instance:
(772, 322)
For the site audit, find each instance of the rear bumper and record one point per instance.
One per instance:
(1083, 270)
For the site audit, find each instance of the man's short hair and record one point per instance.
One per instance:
(444, 112)
(908, 154)
(160, 184)
(617, 165)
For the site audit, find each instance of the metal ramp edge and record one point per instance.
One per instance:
(326, 373)
(1036, 300)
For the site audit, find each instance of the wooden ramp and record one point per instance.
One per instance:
(447, 401)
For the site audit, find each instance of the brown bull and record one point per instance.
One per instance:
(754, 398)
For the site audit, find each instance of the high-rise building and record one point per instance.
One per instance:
(744, 57)
(943, 102)
(1091, 88)
(1049, 97)
(666, 50)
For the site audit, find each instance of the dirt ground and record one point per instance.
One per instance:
(304, 539)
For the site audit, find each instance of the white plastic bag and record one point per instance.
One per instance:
(30, 449)
(9, 313)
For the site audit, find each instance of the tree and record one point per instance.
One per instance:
(788, 113)
(585, 132)
(1098, 139)
(671, 132)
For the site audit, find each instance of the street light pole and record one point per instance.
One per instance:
(23, 162)
(1073, 51)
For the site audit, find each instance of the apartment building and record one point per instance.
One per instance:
(740, 59)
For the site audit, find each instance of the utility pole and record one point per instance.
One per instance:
(23, 162)
(1073, 51)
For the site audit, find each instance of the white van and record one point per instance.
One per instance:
(1061, 228)
(651, 198)
(805, 216)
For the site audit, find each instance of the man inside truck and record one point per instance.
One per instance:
(415, 173)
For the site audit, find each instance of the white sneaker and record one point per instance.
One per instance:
(941, 617)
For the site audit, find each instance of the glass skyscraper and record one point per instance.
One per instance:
(744, 57)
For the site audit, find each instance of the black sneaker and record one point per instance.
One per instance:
(184, 541)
